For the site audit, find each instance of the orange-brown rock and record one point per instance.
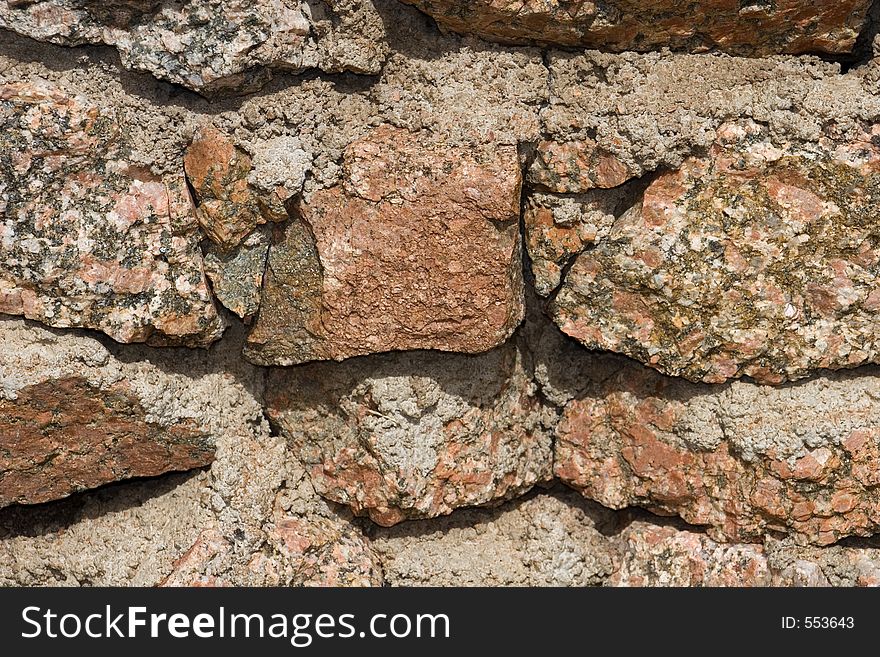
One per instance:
(228, 207)
(67, 435)
(745, 27)
(415, 435)
(744, 460)
(418, 248)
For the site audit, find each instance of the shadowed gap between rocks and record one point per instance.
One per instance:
(51, 517)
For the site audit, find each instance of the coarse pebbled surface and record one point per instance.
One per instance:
(457, 452)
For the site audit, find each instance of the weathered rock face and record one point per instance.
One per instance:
(576, 167)
(746, 28)
(212, 45)
(657, 555)
(648, 554)
(72, 417)
(417, 249)
(237, 276)
(253, 518)
(305, 551)
(228, 207)
(88, 239)
(552, 539)
(760, 260)
(415, 435)
(558, 227)
(744, 460)
(65, 435)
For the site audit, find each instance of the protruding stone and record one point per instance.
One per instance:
(745, 460)
(759, 260)
(88, 239)
(742, 27)
(73, 418)
(576, 167)
(417, 249)
(415, 435)
(237, 277)
(228, 207)
(557, 228)
(213, 45)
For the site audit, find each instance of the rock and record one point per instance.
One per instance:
(252, 518)
(417, 249)
(657, 555)
(855, 565)
(552, 539)
(237, 277)
(650, 554)
(89, 239)
(319, 551)
(228, 207)
(577, 167)
(304, 551)
(745, 460)
(748, 28)
(65, 435)
(557, 228)
(213, 45)
(73, 417)
(759, 260)
(274, 530)
(415, 435)
(192, 568)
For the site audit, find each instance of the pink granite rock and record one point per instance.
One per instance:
(87, 238)
(760, 260)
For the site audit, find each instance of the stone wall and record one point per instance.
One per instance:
(364, 292)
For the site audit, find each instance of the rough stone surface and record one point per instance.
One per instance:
(760, 260)
(435, 85)
(788, 467)
(253, 518)
(417, 249)
(228, 207)
(237, 276)
(64, 435)
(752, 28)
(213, 45)
(854, 564)
(74, 416)
(559, 227)
(744, 460)
(87, 238)
(653, 111)
(576, 167)
(657, 555)
(652, 554)
(415, 435)
(120, 535)
(551, 539)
